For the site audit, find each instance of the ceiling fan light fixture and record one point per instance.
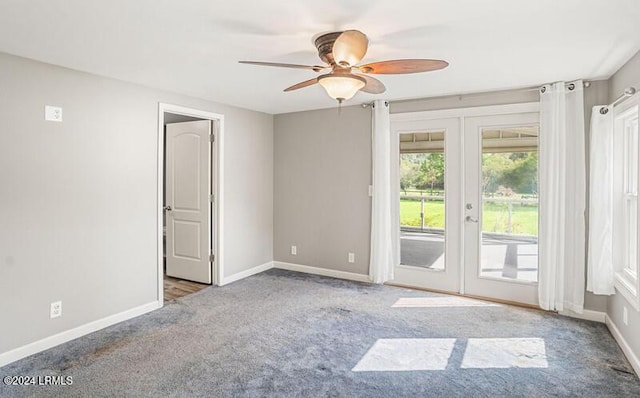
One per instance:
(342, 87)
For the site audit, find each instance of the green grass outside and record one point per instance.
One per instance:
(495, 216)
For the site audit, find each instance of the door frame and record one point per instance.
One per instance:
(217, 174)
(400, 120)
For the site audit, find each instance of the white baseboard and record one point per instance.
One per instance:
(589, 315)
(68, 335)
(628, 352)
(322, 271)
(251, 271)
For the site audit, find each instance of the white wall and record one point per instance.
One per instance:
(628, 75)
(78, 199)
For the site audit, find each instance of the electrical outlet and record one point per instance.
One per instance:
(56, 309)
(53, 113)
(352, 257)
(294, 251)
(625, 316)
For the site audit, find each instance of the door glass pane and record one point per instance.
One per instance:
(422, 208)
(510, 203)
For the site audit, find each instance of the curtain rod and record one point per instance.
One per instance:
(628, 92)
(570, 86)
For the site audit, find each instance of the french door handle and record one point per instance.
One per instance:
(167, 208)
(470, 219)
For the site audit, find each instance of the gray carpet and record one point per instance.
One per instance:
(281, 334)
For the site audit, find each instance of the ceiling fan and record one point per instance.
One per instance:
(341, 51)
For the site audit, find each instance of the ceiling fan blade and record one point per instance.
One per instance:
(372, 85)
(350, 47)
(315, 68)
(302, 84)
(401, 66)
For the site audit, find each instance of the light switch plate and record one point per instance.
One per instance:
(53, 113)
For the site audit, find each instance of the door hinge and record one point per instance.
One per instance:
(212, 137)
(212, 198)
(212, 257)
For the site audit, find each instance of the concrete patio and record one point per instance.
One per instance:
(503, 256)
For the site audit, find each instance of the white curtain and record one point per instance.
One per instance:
(562, 197)
(381, 258)
(600, 279)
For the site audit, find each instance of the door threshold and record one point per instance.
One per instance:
(471, 296)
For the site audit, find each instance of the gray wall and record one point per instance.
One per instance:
(323, 162)
(465, 101)
(321, 192)
(597, 94)
(78, 199)
(628, 75)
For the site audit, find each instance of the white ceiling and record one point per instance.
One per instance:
(192, 46)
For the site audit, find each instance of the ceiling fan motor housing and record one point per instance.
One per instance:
(324, 44)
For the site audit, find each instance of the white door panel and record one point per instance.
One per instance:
(188, 209)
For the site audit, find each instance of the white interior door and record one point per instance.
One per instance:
(501, 207)
(187, 201)
(430, 216)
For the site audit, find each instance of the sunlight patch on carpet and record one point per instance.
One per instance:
(505, 353)
(445, 301)
(397, 355)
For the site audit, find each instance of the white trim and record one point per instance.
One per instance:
(589, 315)
(352, 276)
(492, 110)
(628, 352)
(68, 335)
(627, 289)
(219, 192)
(626, 284)
(246, 273)
(217, 187)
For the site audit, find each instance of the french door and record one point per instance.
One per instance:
(431, 233)
(468, 205)
(501, 207)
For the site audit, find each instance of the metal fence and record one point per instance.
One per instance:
(509, 201)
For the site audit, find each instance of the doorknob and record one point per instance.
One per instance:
(167, 208)
(470, 219)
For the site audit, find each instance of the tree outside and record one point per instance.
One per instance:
(422, 171)
(506, 177)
